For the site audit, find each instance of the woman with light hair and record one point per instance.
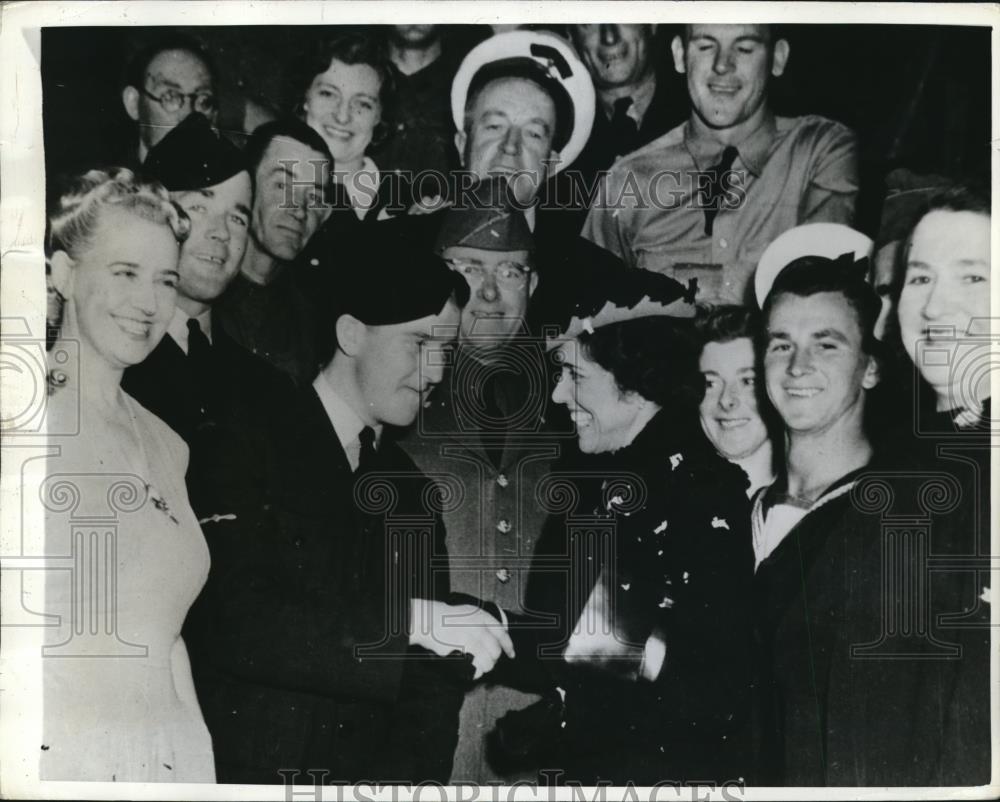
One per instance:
(119, 702)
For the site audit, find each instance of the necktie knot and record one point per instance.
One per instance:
(196, 337)
(728, 157)
(621, 107)
(624, 129)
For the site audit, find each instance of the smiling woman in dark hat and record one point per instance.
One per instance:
(647, 663)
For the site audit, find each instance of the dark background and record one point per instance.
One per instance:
(918, 96)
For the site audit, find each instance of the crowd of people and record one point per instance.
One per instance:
(486, 416)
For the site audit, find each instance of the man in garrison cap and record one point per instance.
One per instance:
(485, 428)
(210, 390)
(348, 659)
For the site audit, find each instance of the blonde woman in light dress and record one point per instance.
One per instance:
(118, 700)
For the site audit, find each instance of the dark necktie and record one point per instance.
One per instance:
(719, 182)
(624, 130)
(366, 456)
(199, 351)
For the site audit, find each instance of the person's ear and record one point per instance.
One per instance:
(350, 334)
(61, 269)
(677, 48)
(460, 139)
(873, 374)
(532, 283)
(780, 58)
(130, 100)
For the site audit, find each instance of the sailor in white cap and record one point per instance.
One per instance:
(523, 105)
(828, 240)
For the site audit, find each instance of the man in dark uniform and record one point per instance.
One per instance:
(633, 102)
(210, 390)
(332, 621)
(213, 392)
(485, 429)
(267, 308)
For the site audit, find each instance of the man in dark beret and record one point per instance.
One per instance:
(340, 627)
(197, 376)
(210, 390)
(485, 428)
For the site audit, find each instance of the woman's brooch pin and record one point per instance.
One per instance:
(55, 379)
(161, 504)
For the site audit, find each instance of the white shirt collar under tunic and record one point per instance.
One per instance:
(178, 326)
(346, 422)
(362, 187)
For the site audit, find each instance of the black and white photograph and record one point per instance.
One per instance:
(540, 400)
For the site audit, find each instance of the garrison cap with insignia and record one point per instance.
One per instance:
(485, 218)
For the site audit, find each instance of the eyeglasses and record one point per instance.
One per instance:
(172, 100)
(510, 275)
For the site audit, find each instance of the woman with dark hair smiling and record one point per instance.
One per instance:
(730, 408)
(943, 306)
(644, 567)
(346, 95)
(944, 428)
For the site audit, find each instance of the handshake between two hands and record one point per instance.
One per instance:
(444, 628)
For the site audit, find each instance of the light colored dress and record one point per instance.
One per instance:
(118, 699)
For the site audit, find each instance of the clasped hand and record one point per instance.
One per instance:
(444, 628)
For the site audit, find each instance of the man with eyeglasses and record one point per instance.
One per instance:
(165, 82)
(484, 429)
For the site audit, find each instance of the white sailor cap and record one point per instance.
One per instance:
(829, 240)
(548, 61)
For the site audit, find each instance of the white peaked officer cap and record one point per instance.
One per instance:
(548, 61)
(828, 240)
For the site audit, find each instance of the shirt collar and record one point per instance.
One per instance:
(346, 422)
(754, 148)
(178, 326)
(642, 97)
(363, 197)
